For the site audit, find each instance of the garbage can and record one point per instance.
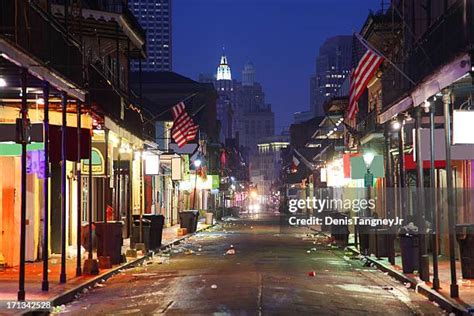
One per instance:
(364, 232)
(409, 248)
(383, 242)
(156, 229)
(109, 240)
(188, 219)
(340, 232)
(135, 238)
(465, 238)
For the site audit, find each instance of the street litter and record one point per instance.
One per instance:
(231, 250)
(311, 273)
(308, 251)
(213, 286)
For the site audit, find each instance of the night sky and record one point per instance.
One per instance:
(281, 38)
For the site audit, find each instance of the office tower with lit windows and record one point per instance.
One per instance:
(155, 17)
(333, 66)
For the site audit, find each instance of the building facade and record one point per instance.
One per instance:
(265, 166)
(333, 65)
(226, 102)
(156, 18)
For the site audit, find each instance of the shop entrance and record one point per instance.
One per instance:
(122, 197)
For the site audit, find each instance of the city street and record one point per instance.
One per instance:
(270, 273)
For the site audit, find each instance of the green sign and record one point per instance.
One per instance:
(9, 149)
(215, 181)
(359, 169)
(98, 163)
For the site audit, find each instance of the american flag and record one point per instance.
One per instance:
(184, 129)
(360, 77)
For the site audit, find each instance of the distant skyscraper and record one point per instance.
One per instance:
(241, 107)
(333, 65)
(225, 104)
(248, 74)
(155, 17)
(254, 118)
(223, 70)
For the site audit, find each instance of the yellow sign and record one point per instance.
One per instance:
(98, 163)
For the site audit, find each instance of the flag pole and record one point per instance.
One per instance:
(169, 109)
(370, 47)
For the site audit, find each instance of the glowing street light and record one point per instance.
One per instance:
(197, 163)
(396, 125)
(368, 159)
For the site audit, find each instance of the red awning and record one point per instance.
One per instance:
(410, 164)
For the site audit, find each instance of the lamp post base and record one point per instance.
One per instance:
(21, 295)
(45, 286)
(425, 268)
(454, 290)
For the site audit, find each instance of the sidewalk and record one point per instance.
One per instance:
(58, 293)
(459, 306)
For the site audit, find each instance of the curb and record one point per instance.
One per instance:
(445, 303)
(70, 295)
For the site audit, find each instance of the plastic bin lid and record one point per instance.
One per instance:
(144, 220)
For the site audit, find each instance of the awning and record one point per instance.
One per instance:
(442, 78)
(20, 58)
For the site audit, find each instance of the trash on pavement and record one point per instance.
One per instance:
(213, 286)
(231, 250)
(311, 273)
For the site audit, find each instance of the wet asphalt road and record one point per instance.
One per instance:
(268, 275)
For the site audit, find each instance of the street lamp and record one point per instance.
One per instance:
(368, 159)
(197, 163)
(369, 177)
(396, 125)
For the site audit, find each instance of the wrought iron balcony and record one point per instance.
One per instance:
(369, 125)
(27, 26)
(445, 39)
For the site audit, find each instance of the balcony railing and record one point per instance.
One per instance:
(446, 38)
(26, 25)
(369, 125)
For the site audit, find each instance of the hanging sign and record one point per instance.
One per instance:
(98, 163)
(463, 129)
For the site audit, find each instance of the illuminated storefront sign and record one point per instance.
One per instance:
(98, 164)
